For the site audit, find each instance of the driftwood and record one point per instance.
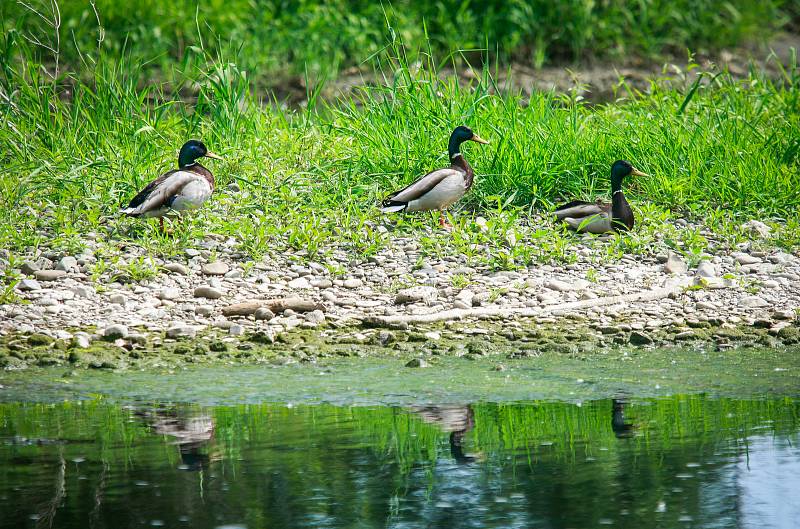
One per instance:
(547, 310)
(276, 305)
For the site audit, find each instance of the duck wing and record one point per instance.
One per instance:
(398, 200)
(582, 209)
(160, 193)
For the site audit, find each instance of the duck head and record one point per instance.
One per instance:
(192, 150)
(619, 170)
(459, 136)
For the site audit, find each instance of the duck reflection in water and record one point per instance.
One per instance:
(621, 428)
(192, 429)
(458, 420)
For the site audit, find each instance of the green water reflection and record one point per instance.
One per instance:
(683, 461)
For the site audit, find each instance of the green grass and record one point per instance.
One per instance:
(720, 151)
(276, 40)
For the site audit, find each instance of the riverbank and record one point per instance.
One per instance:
(214, 304)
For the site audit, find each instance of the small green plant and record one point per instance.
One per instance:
(459, 281)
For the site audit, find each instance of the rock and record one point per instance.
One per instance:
(236, 330)
(49, 275)
(784, 315)
(559, 286)
(752, 302)
(640, 338)
(416, 294)
(39, 339)
(205, 291)
(82, 291)
(204, 310)
(770, 283)
(353, 283)
(117, 299)
(114, 332)
(417, 362)
(706, 269)
(433, 335)
(177, 268)
(746, 259)
(191, 252)
(169, 293)
(81, 340)
(30, 267)
(215, 268)
(263, 314)
(322, 283)
(675, 265)
(181, 331)
(233, 187)
(756, 227)
(315, 317)
(277, 306)
(300, 282)
(67, 263)
(28, 285)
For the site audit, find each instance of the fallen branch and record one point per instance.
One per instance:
(275, 305)
(547, 310)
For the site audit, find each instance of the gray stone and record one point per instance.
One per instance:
(177, 268)
(117, 299)
(353, 283)
(264, 314)
(746, 259)
(300, 282)
(49, 275)
(215, 268)
(81, 340)
(191, 252)
(559, 286)
(640, 338)
(169, 293)
(205, 291)
(29, 284)
(181, 331)
(204, 310)
(756, 227)
(753, 302)
(82, 291)
(416, 294)
(67, 263)
(236, 330)
(315, 316)
(321, 283)
(417, 362)
(114, 332)
(706, 269)
(675, 265)
(784, 315)
(30, 267)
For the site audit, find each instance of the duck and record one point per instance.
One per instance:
(179, 190)
(602, 217)
(439, 189)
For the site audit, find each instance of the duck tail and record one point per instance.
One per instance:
(393, 206)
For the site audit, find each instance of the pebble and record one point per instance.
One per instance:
(706, 269)
(207, 292)
(559, 286)
(29, 285)
(203, 310)
(49, 275)
(757, 227)
(746, 259)
(67, 263)
(770, 283)
(417, 362)
(177, 268)
(321, 283)
(353, 283)
(215, 268)
(30, 267)
(113, 332)
(169, 293)
(753, 302)
(315, 316)
(675, 265)
(300, 282)
(181, 331)
(416, 294)
(117, 299)
(236, 330)
(82, 292)
(264, 314)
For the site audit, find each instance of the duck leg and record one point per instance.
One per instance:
(443, 221)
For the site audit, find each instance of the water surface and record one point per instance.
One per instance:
(680, 461)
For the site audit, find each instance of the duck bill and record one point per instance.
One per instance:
(210, 154)
(478, 139)
(637, 172)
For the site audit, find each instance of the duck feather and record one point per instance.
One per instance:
(158, 196)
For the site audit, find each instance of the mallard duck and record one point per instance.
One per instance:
(602, 217)
(185, 188)
(441, 188)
